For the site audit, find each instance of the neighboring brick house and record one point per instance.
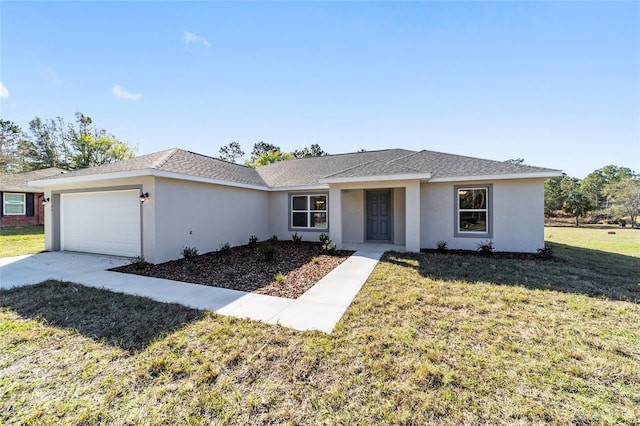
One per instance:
(22, 204)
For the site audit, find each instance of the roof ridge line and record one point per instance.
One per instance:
(350, 168)
(163, 160)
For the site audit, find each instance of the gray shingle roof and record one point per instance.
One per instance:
(307, 171)
(376, 168)
(181, 162)
(18, 182)
(441, 165)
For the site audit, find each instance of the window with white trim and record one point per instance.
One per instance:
(473, 215)
(308, 211)
(13, 204)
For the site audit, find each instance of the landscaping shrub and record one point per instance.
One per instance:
(274, 237)
(279, 277)
(329, 246)
(225, 249)
(253, 240)
(441, 246)
(545, 252)
(296, 238)
(324, 238)
(189, 253)
(486, 247)
(139, 262)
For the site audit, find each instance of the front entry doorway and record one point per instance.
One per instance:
(379, 215)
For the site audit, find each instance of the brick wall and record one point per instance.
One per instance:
(24, 220)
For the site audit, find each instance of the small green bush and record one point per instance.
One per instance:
(486, 247)
(225, 249)
(139, 262)
(324, 238)
(329, 246)
(253, 240)
(441, 246)
(279, 277)
(274, 237)
(189, 253)
(314, 260)
(296, 238)
(545, 252)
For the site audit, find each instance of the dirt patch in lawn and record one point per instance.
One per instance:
(247, 268)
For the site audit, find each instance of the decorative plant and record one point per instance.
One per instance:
(274, 237)
(545, 252)
(189, 253)
(486, 247)
(225, 249)
(329, 246)
(279, 277)
(296, 238)
(139, 262)
(323, 238)
(253, 240)
(441, 246)
(314, 260)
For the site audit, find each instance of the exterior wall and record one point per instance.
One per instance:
(353, 215)
(279, 216)
(201, 215)
(24, 220)
(518, 216)
(399, 216)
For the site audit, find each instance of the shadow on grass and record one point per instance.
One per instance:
(22, 230)
(576, 270)
(128, 322)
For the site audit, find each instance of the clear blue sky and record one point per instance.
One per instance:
(555, 83)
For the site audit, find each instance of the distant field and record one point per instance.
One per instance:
(624, 241)
(19, 240)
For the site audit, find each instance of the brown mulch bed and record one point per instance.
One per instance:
(246, 269)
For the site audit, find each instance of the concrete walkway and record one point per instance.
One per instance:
(320, 308)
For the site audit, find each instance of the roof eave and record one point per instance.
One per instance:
(74, 180)
(377, 178)
(530, 175)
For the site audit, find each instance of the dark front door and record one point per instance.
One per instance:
(379, 215)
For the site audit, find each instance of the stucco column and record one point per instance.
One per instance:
(335, 216)
(412, 212)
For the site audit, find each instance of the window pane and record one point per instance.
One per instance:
(14, 209)
(299, 203)
(318, 202)
(319, 220)
(19, 198)
(300, 219)
(473, 222)
(473, 198)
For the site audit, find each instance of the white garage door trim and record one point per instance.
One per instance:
(105, 222)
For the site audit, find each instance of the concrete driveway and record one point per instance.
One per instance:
(320, 308)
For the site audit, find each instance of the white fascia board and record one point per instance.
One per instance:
(534, 175)
(139, 173)
(300, 188)
(377, 178)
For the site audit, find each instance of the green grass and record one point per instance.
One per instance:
(624, 241)
(20, 240)
(431, 339)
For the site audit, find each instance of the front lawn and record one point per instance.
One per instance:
(20, 240)
(430, 339)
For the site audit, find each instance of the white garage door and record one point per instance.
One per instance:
(106, 222)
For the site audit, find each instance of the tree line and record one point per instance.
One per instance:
(610, 193)
(265, 153)
(56, 143)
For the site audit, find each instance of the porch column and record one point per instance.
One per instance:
(335, 216)
(412, 216)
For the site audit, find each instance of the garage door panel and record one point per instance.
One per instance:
(105, 222)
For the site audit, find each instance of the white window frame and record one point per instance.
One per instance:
(14, 203)
(488, 210)
(309, 211)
